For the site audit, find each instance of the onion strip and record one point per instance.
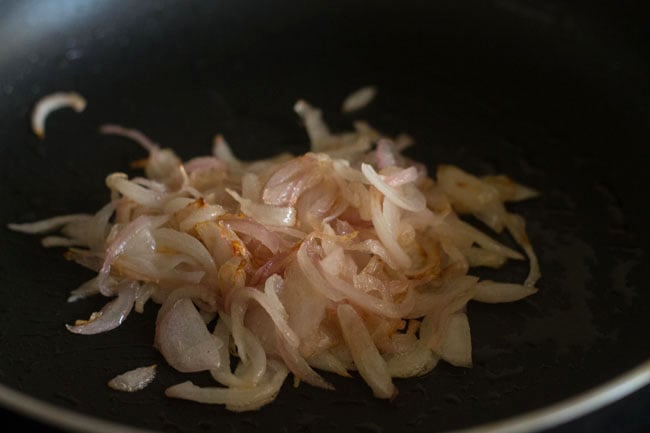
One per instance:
(53, 102)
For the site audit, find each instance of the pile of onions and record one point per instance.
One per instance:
(347, 258)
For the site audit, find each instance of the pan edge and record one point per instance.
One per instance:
(537, 420)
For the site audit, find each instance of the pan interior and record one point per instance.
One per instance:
(551, 95)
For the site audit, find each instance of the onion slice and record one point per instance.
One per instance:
(491, 292)
(132, 134)
(358, 99)
(48, 224)
(456, 347)
(371, 365)
(111, 315)
(53, 102)
(406, 198)
(184, 340)
(134, 380)
(235, 399)
(121, 241)
(264, 213)
(417, 360)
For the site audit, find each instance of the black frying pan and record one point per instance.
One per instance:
(553, 93)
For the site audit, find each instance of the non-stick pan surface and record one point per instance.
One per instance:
(552, 94)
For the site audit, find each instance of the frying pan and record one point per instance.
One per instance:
(554, 94)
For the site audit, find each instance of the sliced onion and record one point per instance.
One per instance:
(467, 192)
(386, 154)
(316, 261)
(205, 213)
(139, 194)
(122, 241)
(319, 134)
(142, 295)
(348, 146)
(450, 294)
(456, 346)
(385, 308)
(184, 340)
(88, 259)
(49, 224)
(275, 265)
(111, 315)
(255, 230)
(222, 242)
(97, 229)
(407, 197)
(305, 306)
(485, 241)
(327, 361)
(252, 372)
(403, 177)
(89, 288)
(266, 214)
(279, 317)
(358, 99)
(204, 163)
(314, 276)
(235, 399)
(388, 234)
(482, 257)
(134, 380)
(510, 190)
(492, 293)
(176, 204)
(289, 341)
(221, 149)
(132, 134)
(517, 228)
(164, 269)
(417, 360)
(290, 180)
(299, 366)
(53, 102)
(170, 239)
(58, 241)
(371, 365)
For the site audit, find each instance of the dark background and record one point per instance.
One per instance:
(555, 94)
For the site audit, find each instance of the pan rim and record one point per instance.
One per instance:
(547, 417)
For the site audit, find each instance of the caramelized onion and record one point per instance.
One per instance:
(345, 258)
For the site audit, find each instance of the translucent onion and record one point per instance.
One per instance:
(184, 340)
(134, 380)
(347, 258)
(53, 102)
(49, 224)
(456, 346)
(408, 198)
(266, 214)
(111, 315)
(492, 292)
(235, 399)
(369, 362)
(358, 99)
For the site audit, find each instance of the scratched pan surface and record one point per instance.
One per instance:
(557, 97)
